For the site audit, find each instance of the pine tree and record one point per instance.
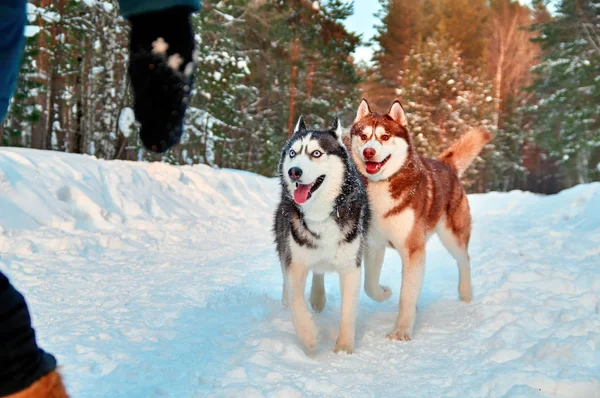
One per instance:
(442, 99)
(566, 116)
(408, 24)
(465, 22)
(263, 65)
(215, 117)
(400, 31)
(79, 68)
(510, 55)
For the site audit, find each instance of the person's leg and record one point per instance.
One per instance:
(161, 67)
(12, 27)
(25, 369)
(23, 364)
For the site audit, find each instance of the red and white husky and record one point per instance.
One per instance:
(411, 198)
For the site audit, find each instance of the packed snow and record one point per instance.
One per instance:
(148, 280)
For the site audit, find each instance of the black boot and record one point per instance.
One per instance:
(161, 69)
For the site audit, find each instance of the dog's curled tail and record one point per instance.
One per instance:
(463, 151)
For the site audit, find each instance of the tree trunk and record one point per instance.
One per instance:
(309, 79)
(55, 78)
(76, 142)
(50, 109)
(505, 43)
(498, 85)
(293, 87)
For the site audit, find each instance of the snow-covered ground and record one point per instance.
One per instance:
(147, 280)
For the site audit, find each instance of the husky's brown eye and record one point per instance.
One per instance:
(385, 137)
(363, 137)
(317, 154)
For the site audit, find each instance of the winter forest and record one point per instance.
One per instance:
(529, 72)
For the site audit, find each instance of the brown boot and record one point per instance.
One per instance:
(49, 386)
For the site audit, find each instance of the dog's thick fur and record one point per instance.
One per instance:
(324, 233)
(49, 386)
(412, 197)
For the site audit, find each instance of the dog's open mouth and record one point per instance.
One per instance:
(304, 191)
(374, 167)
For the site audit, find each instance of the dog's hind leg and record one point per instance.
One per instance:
(350, 287)
(296, 282)
(373, 263)
(317, 292)
(457, 244)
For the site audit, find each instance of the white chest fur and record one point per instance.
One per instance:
(331, 253)
(385, 228)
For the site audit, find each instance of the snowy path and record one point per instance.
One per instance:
(147, 280)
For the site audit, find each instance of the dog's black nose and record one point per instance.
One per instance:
(295, 173)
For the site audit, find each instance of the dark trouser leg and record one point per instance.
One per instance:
(22, 362)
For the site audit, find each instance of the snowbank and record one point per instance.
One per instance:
(42, 189)
(151, 280)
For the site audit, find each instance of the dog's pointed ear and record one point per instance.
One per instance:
(337, 130)
(397, 113)
(363, 110)
(300, 126)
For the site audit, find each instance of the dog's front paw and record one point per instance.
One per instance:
(343, 346)
(381, 293)
(307, 333)
(400, 334)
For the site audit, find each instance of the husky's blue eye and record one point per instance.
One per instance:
(292, 153)
(317, 154)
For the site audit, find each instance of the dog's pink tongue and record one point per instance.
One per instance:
(301, 194)
(373, 167)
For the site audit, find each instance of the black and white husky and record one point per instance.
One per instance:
(320, 226)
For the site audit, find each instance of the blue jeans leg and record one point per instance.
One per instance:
(12, 26)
